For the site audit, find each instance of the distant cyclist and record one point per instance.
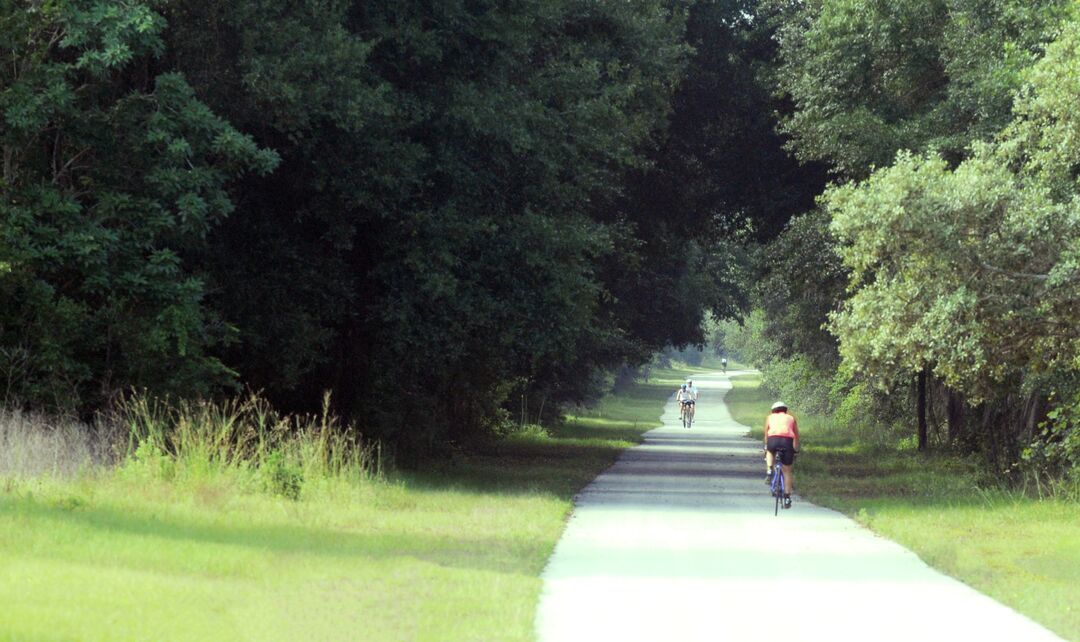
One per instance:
(723, 364)
(781, 437)
(686, 401)
(692, 398)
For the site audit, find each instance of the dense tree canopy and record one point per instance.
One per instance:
(448, 187)
(422, 207)
(871, 77)
(949, 130)
(437, 210)
(972, 272)
(111, 173)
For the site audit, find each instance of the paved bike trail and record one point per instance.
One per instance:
(677, 542)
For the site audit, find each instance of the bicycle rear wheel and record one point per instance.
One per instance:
(778, 487)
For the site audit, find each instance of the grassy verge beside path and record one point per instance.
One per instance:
(451, 554)
(1023, 552)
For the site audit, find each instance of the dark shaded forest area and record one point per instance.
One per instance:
(435, 209)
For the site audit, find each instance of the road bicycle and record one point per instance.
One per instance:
(687, 414)
(776, 484)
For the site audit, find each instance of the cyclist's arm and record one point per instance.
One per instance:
(795, 429)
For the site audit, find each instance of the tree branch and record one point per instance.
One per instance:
(1015, 275)
(69, 165)
(9, 166)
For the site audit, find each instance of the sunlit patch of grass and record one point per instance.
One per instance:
(200, 547)
(748, 403)
(1021, 551)
(381, 561)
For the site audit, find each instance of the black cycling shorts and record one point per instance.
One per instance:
(785, 446)
(688, 402)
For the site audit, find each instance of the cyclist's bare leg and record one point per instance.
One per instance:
(770, 460)
(692, 406)
(787, 478)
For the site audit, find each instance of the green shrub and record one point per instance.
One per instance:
(530, 432)
(282, 477)
(1052, 461)
(244, 438)
(148, 461)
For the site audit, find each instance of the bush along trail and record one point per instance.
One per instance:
(1022, 550)
(243, 533)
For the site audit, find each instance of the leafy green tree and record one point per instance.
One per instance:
(801, 278)
(439, 230)
(871, 77)
(717, 181)
(951, 270)
(866, 80)
(112, 174)
(971, 273)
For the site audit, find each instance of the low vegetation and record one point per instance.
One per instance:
(227, 521)
(1017, 547)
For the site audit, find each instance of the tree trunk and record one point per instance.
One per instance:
(1035, 410)
(9, 166)
(921, 410)
(988, 434)
(955, 416)
(934, 426)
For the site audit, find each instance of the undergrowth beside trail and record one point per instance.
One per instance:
(228, 521)
(1020, 549)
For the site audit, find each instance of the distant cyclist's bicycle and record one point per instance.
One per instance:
(687, 414)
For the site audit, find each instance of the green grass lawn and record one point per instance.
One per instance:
(452, 554)
(1021, 551)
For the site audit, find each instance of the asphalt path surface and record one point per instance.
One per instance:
(677, 542)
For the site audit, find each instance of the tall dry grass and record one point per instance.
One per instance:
(243, 439)
(246, 439)
(35, 444)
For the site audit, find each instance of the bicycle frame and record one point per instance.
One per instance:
(686, 414)
(777, 485)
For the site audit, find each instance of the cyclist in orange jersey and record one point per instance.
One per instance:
(781, 435)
